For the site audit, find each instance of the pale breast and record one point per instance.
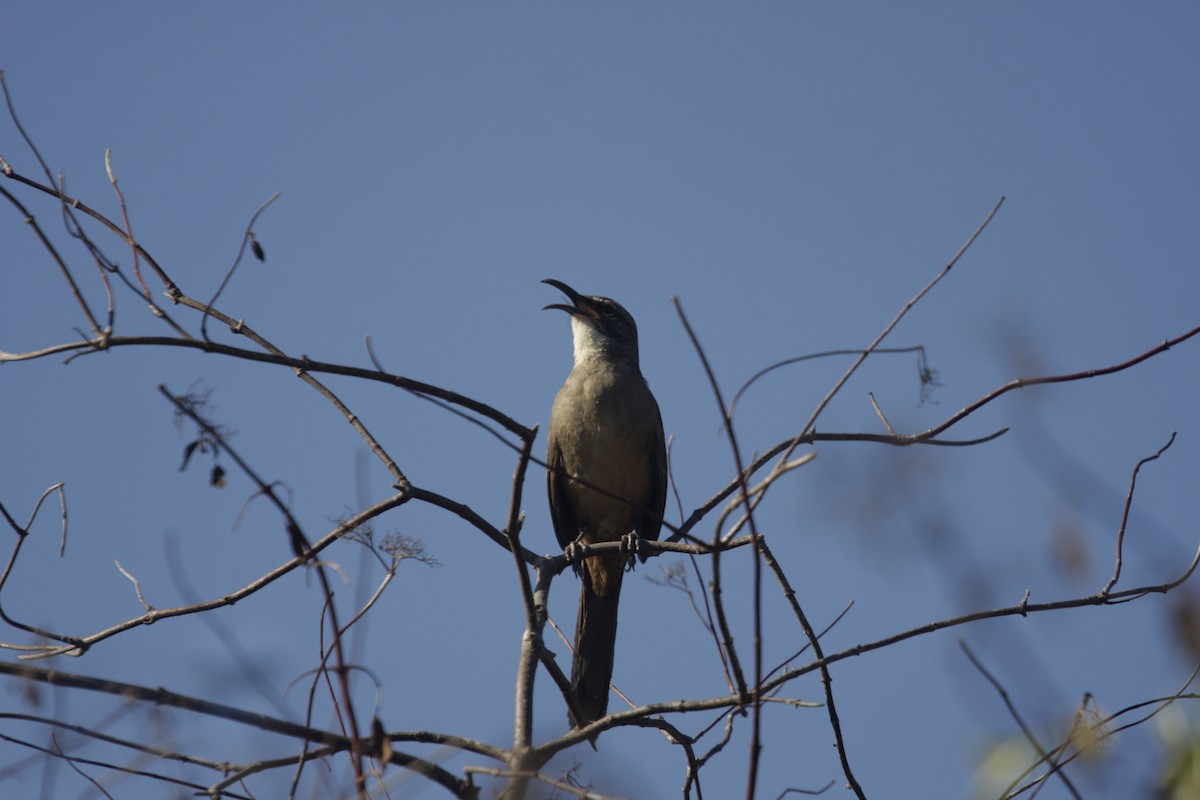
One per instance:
(610, 441)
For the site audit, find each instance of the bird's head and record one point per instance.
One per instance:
(601, 327)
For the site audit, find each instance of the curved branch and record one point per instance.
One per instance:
(247, 237)
(1022, 383)
(86, 346)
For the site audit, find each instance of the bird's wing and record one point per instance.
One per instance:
(652, 524)
(566, 527)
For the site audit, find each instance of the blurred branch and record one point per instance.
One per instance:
(1016, 715)
(73, 761)
(90, 733)
(1099, 733)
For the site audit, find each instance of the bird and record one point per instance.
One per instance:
(606, 478)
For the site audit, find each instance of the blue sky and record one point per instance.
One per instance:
(794, 173)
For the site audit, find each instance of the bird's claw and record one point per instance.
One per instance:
(631, 546)
(571, 553)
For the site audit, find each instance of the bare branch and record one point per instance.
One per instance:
(812, 420)
(71, 763)
(718, 605)
(792, 790)
(1125, 515)
(137, 586)
(926, 375)
(277, 358)
(137, 267)
(114, 767)
(79, 299)
(1022, 383)
(247, 238)
(141, 747)
(826, 678)
(926, 437)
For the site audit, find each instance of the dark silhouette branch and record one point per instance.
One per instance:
(826, 678)
(756, 587)
(159, 696)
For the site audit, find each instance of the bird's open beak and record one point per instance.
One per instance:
(582, 306)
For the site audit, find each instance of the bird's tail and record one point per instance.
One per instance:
(595, 640)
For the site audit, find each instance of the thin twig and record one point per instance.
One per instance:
(812, 420)
(1125, 515)
(717, 589)
(1023, 383)
(79, 299)
(926, 437)
(826, 678)
(71, 763)
(91, 733)
(922, 371)
(137, 266)
(247, 238)
(116, 767)
(137, 586)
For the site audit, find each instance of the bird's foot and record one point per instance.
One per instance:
(572, 554)
(631, 546)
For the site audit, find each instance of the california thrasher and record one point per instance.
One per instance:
(607, 476)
